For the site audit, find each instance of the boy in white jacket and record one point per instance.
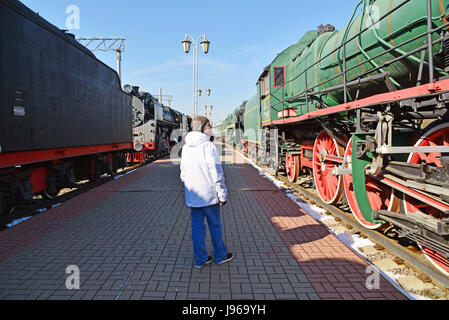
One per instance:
(205, 192)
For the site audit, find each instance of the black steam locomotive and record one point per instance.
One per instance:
(152, 126)
(63, 114)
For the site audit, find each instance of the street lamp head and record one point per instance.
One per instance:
(205, 44)
(200, 92)
(211, 108)
(186, 45)
(208, 92)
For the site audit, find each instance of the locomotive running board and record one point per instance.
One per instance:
(399, 150)
(384, 98)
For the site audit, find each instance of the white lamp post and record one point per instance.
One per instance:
(205, 44)
(207, 94)
(210, 113)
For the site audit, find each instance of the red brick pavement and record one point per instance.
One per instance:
(334, 270)
(131, 239)
(15, 240)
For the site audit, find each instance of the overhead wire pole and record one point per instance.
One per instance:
(165, 98)
(106, 44)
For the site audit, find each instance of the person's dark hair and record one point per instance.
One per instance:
(199, 124)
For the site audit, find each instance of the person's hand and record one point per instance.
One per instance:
(222, 204)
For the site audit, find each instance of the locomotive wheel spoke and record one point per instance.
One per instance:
(292, 167)
(436, 137)
(328, 186)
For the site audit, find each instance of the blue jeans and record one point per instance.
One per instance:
(212, 214)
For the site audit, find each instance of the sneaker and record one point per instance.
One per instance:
(228, 258)
(209, 260)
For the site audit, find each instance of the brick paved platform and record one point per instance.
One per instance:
(131, 239)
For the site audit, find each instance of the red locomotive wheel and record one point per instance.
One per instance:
(380, 197)
(438, 136)
(292, 167)
(329, 187)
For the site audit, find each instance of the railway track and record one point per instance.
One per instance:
(404, 252)
(39, 205)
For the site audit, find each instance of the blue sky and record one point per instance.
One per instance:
(245, 37)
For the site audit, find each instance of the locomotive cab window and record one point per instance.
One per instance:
(279, 77)
(266, 85)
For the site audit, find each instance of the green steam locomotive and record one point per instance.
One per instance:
(364, 111)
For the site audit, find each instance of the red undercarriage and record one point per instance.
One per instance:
(12, 159)
(51, 157)
(140, 157)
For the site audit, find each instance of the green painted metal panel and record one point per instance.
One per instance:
(252, 118)
(229, 121)
(266, 110)
(358, 178)
(359, 165)
(408, 21)
(284, 59)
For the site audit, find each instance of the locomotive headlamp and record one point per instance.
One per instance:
(186, 44)
(205, 44)
(128, 88)
(138, 146)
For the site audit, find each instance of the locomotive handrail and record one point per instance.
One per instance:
(422, 48)
(429, 32)
(352, 83)
(429, 39)
(348, 41)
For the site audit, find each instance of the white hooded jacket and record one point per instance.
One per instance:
(201, 172)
